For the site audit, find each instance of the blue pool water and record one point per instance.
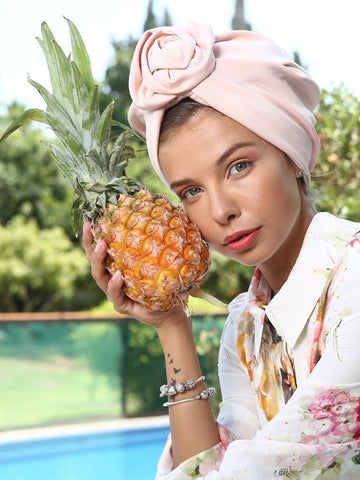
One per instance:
(129, 454)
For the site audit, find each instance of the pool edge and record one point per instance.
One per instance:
(8, 436)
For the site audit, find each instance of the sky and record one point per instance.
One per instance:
(324, 32)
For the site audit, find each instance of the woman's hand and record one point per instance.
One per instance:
(112, 286)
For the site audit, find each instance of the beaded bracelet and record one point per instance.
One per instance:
(182, 387)
(204, 395)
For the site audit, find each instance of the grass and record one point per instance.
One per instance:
(58, 391)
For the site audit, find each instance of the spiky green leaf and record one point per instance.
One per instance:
(103, 131)
(80, 55)
(33, 114)
(65, 162)
(55, 110)
(102, 200)
(91, 115)
(58, 63)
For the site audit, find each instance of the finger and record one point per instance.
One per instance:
(98, 265)
(88, 240)
(115, 292)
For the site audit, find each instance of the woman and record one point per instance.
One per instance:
(229, 127)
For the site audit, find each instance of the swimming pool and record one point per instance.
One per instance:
(118, 454)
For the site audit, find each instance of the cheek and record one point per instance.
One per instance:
(198, 220)
(196, 216)
(284, 189)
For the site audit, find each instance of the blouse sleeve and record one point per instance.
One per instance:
(316, 436)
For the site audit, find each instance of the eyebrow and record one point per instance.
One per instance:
(218, 162)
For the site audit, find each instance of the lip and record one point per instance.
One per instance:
(242, 240)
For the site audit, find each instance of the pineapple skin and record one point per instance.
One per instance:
(159, 252)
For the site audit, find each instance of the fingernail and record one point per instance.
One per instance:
(116, 276)
(99, 246)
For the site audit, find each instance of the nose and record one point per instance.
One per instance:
(224, 207)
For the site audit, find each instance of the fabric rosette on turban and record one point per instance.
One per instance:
(242, 74)
(168, 63)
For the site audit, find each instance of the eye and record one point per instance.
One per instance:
(239, 167)
(189, 193)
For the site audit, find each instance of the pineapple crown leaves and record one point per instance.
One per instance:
(85, 151)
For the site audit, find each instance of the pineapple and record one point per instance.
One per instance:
(159, 252)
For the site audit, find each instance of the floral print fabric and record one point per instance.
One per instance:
(290, 372)
(270, 369)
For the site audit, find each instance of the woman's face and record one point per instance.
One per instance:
(240, 190)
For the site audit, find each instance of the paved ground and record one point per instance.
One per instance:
(93, 427)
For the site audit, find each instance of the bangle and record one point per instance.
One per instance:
(204, 395)
(179, 387)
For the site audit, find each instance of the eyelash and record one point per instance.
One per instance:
(244, 164)
(183, 194)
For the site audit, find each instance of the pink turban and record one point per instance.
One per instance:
(241, 74)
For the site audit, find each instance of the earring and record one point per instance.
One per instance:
(300, 174)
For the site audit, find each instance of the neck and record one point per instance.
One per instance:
(276, 271)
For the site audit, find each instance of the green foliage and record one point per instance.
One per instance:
(30, 184)
(337, 174)
(167, 18)
(115, 85)
(226, 278)
(207, 333)
(143, 369)
(41, 270)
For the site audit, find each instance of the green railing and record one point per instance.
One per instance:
(70, 367)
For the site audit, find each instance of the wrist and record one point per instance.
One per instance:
(177, 324)
(177, 336)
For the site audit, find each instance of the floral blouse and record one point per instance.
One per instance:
(289, 370)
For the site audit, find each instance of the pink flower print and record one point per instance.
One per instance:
(321, 407)
(336, 416)
(329, 404)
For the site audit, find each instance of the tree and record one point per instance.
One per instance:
(41, 270)
(151, 20)
(238, 21)
(117, 79)
(167, 18)
(336, 176)
(30, 183)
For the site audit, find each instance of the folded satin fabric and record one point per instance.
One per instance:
(242, 74)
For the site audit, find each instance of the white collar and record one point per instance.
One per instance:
(323, 244)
